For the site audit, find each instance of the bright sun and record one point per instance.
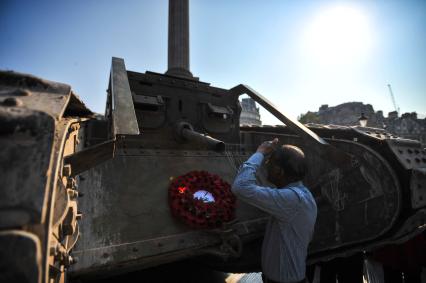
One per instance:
(339, 34)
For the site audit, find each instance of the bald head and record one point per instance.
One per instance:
(292, 161)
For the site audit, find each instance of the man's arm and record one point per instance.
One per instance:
(281, 204)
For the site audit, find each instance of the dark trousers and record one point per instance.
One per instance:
(267, 280)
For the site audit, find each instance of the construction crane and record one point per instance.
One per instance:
(393, 99)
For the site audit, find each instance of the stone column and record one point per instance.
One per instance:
(178, 53)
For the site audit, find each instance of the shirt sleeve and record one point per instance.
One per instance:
(279, 203)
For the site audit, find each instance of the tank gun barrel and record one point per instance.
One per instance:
(186, 132)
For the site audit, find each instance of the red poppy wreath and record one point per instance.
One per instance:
(201, 199)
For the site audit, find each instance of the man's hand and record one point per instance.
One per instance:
(268, 147)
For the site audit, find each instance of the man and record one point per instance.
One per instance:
(292, 208)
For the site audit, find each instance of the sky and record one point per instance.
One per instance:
(299, 54)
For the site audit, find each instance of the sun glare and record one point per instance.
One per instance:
(339, 34)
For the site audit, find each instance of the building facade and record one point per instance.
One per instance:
(249, 113)
(347, 114)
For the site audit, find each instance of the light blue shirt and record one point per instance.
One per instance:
(289, 230)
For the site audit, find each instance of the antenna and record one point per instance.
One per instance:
(393, 99)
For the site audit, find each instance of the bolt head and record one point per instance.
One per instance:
(66, 171)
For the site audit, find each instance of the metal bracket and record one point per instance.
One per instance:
(90, 157)
(338, 157)
(294, 125)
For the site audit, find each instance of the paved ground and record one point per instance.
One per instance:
(244, 278)
(177, 273)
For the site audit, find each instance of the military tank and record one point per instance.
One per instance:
(88, 196)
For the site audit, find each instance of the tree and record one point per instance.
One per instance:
(309, 117)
